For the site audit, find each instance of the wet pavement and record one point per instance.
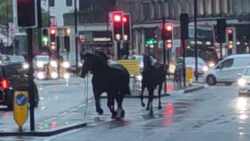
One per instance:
(80, 110)
(214, 113)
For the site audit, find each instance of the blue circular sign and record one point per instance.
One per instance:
(21, 100)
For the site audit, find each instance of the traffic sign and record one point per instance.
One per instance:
(133, 66)
(20, 107)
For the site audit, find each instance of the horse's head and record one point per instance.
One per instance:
(93, 63)
(146, 60)
(102, 55)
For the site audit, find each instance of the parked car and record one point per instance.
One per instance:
(226, 70)
(244, 81)
(14, 77)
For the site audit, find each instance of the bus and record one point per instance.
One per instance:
(205, 44)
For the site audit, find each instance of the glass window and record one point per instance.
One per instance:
(13, 70)
(68, 2)
(227, 63)
(51, 3)
(247, 72)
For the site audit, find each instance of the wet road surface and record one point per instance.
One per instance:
(215, 113)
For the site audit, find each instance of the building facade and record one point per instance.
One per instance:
(147, 14)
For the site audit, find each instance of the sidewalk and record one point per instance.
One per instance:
(79, 116)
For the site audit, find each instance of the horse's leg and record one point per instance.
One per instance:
(149, 96)
(159, 95)
(141, 95)
(97, 102)
(150, 103)
(111, 105)
(120, 111)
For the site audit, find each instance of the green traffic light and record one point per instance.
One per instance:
(45, 39)
(151, 42)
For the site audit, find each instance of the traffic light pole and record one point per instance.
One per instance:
(76, 38)
(31, 80)
(184, 61)
(195, 40)
(164, 54)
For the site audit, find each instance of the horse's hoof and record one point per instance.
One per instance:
(114, 114)
(151, 113)
(100, 111)
(123, 114)
(159, 107)
(142, 104)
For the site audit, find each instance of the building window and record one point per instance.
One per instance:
(68, 2)
(51, 3)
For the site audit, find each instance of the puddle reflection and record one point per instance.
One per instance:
(168, 116)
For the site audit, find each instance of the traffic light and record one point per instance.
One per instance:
(230, 38)
(169, 44)
(26, 13)
(126, 27)
(167, 31)
(117, 18)
(184, 26)
(221, 30)
(67, 39)
(67, 43)
(45, 37)
(52, 33)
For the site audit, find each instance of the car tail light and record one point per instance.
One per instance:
(4, 83)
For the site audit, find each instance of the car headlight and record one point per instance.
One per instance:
(211, 64)
(53, 63)
(80, 64)
(205, 68)
(39, 64)
(25, 66)
(54, 75)
(139, 77)
(66, 76)
(40, 75)
(242, 82)
(66, 65)
(141, 65)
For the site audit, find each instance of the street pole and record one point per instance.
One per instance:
(221, 51)
(164, 53)
(7, 22)
(195, 40)
(76, 38)
(31, 80)
(184, 63)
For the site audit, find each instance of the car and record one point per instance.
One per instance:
(140, 59)
(190, 62)
(40, 61)
(227, 69)
(14, 77)
(243, 82)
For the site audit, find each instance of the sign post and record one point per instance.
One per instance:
(20, 108)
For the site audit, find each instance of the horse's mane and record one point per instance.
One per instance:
(99, 62)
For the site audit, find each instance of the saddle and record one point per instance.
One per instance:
(156, 65)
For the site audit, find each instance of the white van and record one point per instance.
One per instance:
(227, 70)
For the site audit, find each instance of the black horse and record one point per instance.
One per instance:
(152, 75)
(114, 80)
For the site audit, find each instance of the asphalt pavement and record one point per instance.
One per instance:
(69, 105)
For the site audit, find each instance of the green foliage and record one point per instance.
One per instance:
(6, 10)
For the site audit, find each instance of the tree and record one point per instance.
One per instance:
(6, 11)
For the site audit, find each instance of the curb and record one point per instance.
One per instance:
(189, 90)
(44, 133)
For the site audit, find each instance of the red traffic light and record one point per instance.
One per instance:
(230, 31)
(169, 27)
(124, 19)
(52, 31)
(117, 17)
